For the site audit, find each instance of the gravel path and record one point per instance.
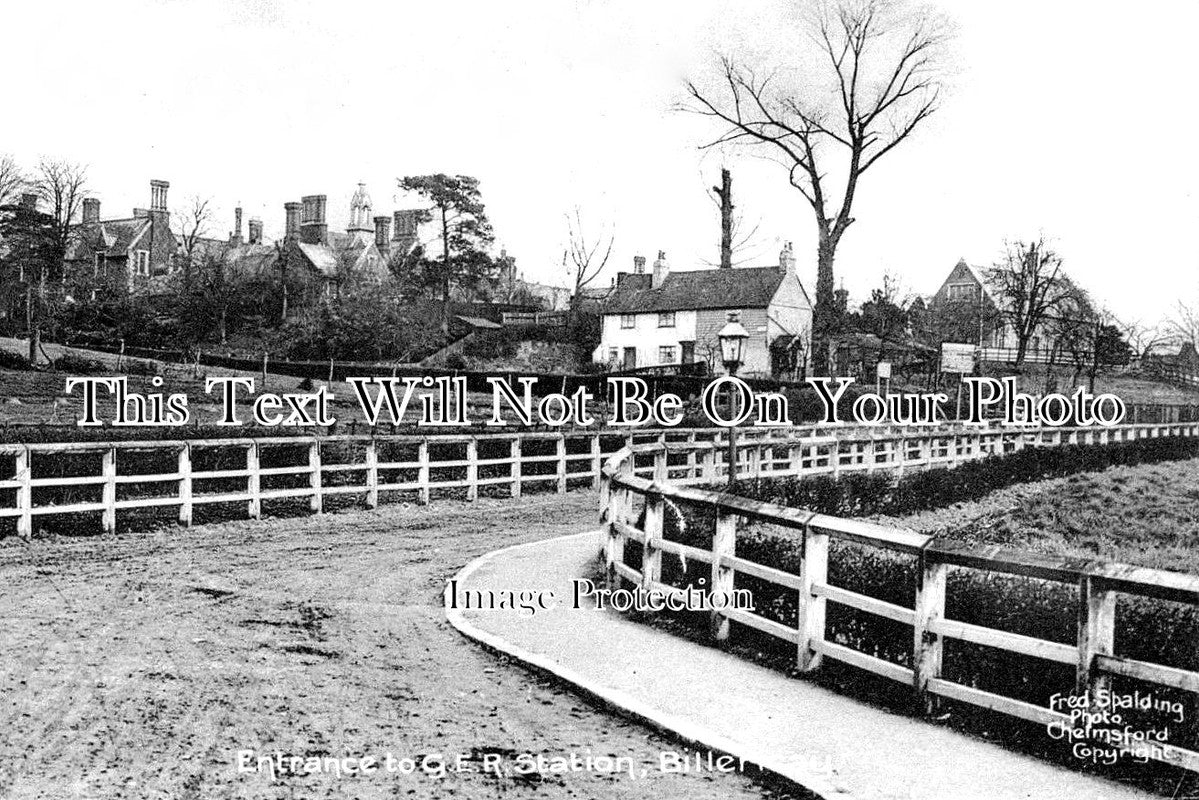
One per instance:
(138, 666)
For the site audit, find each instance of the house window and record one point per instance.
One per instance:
(957, 292)
(666, 354)
(141, 262)
(99, 263)
(628, 321)
(665, 319)
(613, 355)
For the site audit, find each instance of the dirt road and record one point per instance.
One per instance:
(138, 666)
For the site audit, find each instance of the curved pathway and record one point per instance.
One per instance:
(834, 745)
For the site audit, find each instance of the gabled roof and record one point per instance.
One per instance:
(321, 256)
(748, 287)
(113, 237)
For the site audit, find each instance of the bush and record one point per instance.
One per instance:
(75, 364)
(15, 361)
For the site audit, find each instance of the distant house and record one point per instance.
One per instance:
(123, 253)
(968, 309)
(665, 317)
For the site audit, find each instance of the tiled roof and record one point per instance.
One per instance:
(749, 287)
(321, 256)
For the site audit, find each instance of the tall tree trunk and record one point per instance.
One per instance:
(726, 219)
(445, 268)
(824, 317)
(34, 339)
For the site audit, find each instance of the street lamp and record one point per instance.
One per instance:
(732, 350)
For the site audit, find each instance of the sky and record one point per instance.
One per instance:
(1065, 119)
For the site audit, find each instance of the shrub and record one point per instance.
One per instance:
(15, 361)
(75, 364)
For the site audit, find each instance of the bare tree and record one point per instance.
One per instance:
(885, 78)
(193, 227)
(587, 256)
(60, 186)
(1143, 337)
(1182, 325)
(12, 181)
(1030, 286)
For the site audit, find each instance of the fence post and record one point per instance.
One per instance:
(254, 481)
(651, 555)
(514, 454)
(422, 475)
(660, 465)
(597, 462)
(561, 463)
(23, 472)
(185, 484)
(314, 475)
(108, 518)
(927, 645)
(813, 571)
(1096, 634)
(372, 473)
(619, 503)
(472, 469)
(724, 544)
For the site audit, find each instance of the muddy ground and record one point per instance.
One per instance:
(138, 666)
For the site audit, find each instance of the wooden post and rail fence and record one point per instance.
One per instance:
(627, 478)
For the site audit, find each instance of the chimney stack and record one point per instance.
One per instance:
(661, 270)
(235, 239)
(158, 195)
(405, 230)
(91, 210)
(787, 259)
(313, 229)
(638, 265)
(255, 231)
(383, 234)
(29, 201)
(292, 221)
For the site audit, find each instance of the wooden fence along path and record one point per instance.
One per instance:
(1092, 655)
(113, 477)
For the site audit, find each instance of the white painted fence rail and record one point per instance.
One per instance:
(1092, 655)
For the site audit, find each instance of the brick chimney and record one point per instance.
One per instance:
(313, 229)
(291, 227)
(661, 270)
(29, 201)
(383, 234)
(158, 195)
(235, 239)
(255, 231)
(406, 223)
(91, 210)
(638, 265)
(787, 259)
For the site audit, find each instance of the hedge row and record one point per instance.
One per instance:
(884, 493)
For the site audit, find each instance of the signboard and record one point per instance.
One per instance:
(883, 370)
(957, 357)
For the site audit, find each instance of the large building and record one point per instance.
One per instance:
(664, 318)
(122, 253)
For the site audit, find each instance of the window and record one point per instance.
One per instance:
(666, 354)
(733, 316)
(665, 319)
(613, 355)
(628, 321)
(957, 292)
(98, 266)
(141, 264)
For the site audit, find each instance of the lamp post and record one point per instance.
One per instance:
(732, 350)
